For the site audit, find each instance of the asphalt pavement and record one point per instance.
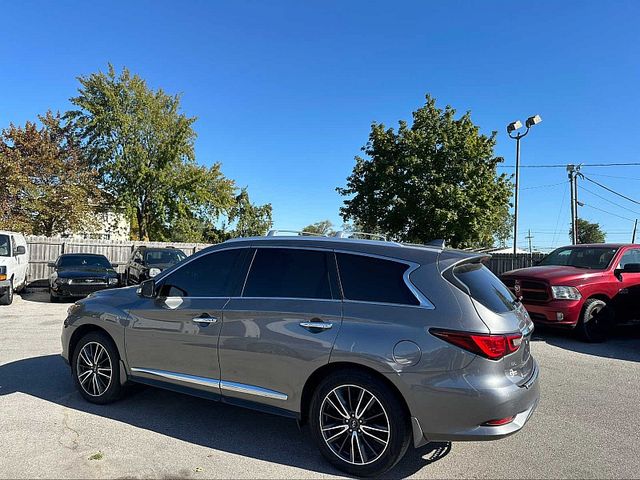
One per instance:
(587, 424)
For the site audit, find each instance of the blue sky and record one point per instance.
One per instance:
(285, 91)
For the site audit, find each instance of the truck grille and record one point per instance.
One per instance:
(530, 290)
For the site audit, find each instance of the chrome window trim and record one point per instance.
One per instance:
(214, 383)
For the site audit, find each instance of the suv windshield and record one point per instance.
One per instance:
(4, 246)
(595, 258)
(485, 287)
(164, 257)
(84, 261)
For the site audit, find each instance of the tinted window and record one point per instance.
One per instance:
(371, 279)
(485, 287)
(280, 272)
(630, 256)
(5, 250)
(164, 257)
(85, 261)
(212, 275)
(597, 258)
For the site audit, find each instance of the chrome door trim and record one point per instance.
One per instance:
(252, 390)
(181, 377)
(316, 324)
(205, 320)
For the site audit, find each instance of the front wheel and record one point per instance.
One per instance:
(359, 424)
(96, 370)
(596, 321)
(7, 297)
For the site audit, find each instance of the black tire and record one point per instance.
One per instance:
(596, 321)
(7, 297)
(364, 460)
(53, 298)
(91, 382)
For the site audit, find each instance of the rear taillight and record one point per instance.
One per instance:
(499, 422)
(493, 347)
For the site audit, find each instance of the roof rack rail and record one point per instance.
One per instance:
(374, 236)
(274, 233)
(440, 243)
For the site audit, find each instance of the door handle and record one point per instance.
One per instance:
(206, 320)
(316, 325)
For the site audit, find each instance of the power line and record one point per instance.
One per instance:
(564, 165)
(564, 194)
(610, 201)
(608, 213)
(613, 176)
(611, 190)
(544, 186)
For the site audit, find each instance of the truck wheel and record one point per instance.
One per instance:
(7, 298)
(596, 321)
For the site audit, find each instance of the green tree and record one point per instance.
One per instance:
(435, 178)
(588, 232)
(324, 227)
(143, 148)
(46, 185)
(250, 220)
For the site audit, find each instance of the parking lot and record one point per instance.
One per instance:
(587, 424)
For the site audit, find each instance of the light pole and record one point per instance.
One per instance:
(513, 127)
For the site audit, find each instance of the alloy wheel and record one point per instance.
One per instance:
(354, 424)
(94, 369)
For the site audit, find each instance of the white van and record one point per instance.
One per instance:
(14, 261)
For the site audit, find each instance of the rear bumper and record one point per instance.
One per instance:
(4, 285)
(564, 313)
(455, 407)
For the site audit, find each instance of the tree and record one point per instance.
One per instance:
(588, 232)
(46, 185)
(250, 220)
(143, 148)
(434, 179)
(324, 227)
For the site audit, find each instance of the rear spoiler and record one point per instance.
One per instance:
(451, 258)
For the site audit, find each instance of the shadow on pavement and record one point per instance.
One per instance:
(622, 344)
(203, 422)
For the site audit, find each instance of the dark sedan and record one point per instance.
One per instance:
(146, 263)
(79, 274)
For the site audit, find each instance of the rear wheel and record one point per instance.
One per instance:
(96, 370)
(359, 424)
(596, 321)
(7, 297)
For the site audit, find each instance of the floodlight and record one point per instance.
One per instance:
(531, 121)
(514, 126)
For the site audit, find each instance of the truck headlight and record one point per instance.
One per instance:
(3, 272)
(153, 272)
(565, 293)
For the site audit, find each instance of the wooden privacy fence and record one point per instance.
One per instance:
(503, 262)
(43, 250)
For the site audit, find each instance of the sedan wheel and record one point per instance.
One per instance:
(96, 368)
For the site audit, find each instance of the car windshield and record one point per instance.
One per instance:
(84, 261)
(593, 258)
(164, 257)
(4, 246)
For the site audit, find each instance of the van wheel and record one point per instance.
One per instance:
(596, 321)
(359, 424)
(96, 368)
(7, 298)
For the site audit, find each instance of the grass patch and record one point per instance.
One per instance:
(97, 456)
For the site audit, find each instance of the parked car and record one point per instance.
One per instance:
(14, 261)
(375, 345)
(79, 274)
(146, 263)
(584, 287)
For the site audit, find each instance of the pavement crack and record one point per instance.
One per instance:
(70, 437)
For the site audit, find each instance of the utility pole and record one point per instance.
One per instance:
(530, 237)
(635, 227)
(573, 172)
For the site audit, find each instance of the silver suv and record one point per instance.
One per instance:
(374, 345)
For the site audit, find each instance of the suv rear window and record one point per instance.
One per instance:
(369, 279)
(485, 287)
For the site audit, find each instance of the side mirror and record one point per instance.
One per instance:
(21, 250)
(51, 264)
(147, 289)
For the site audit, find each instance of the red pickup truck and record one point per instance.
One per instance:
(586, 287)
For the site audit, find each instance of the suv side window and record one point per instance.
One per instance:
(289, 273)
(369, 279)
(212, 275)
(630, 256)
